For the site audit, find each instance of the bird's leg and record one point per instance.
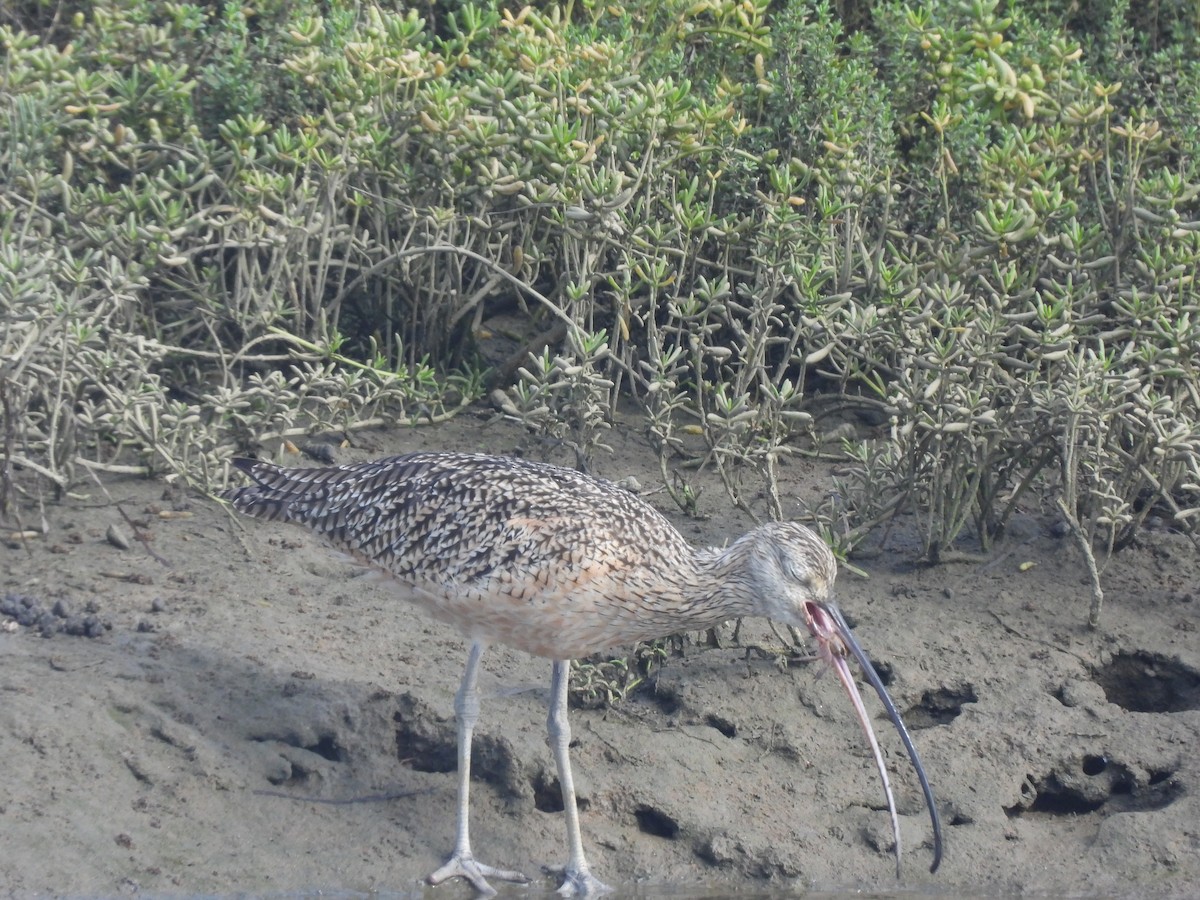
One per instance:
(461, 863)
(578, 880)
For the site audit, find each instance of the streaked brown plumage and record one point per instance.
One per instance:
(561, 565)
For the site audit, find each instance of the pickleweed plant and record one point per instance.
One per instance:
(565, 397)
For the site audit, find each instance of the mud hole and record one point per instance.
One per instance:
(1140, 681)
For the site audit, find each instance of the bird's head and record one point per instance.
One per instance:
(791, 568)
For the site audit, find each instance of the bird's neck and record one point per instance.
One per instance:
(719, 585)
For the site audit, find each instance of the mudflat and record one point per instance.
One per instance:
(225, 707)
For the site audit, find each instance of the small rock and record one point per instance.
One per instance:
(117, 537)
(1083, 693)
(501, 401)
(49, 624)
(319, 451)
(29, 615)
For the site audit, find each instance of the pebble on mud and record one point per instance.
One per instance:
(319, 451)
(28, 612)
(117, 537)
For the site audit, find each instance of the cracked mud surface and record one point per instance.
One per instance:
(244, 714)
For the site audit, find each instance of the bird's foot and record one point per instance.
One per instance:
(464, 865)
(577, 883)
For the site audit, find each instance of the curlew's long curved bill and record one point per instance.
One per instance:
(835, 641)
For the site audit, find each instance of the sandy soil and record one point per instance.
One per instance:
(250, 717)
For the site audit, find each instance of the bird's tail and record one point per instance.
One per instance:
(271, 495)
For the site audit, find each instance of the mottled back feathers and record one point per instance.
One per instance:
(541, 557)
(462, 516)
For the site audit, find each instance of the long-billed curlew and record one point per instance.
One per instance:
(561, 565)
